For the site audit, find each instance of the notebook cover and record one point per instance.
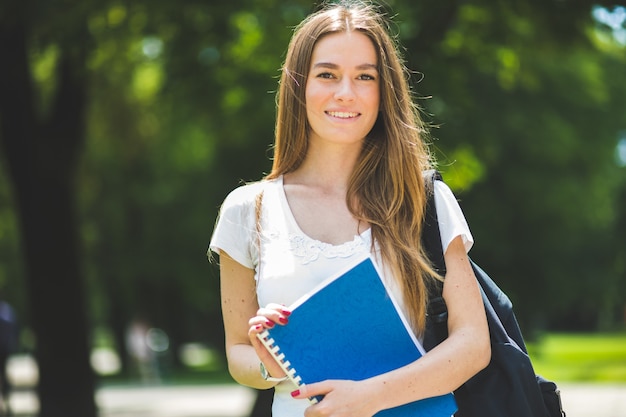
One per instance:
(350, 328)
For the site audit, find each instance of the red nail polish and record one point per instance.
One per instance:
(283, 320)
(295, 393)
(269, 323)
(286, 312)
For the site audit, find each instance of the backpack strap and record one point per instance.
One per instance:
(504, 332)
(431, 237)
(437, 311)
(436, 330)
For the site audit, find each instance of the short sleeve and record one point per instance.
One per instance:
(235, 228)
(452, 222)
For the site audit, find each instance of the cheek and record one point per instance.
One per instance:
(376, 99)
(312, 104)
(370, 96)
(312, 95)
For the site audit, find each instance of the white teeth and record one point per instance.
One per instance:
(342, 115)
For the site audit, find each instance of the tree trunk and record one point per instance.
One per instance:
(42, 158)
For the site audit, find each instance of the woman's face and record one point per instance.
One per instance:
(343, 88)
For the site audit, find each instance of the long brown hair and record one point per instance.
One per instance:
(386, 188)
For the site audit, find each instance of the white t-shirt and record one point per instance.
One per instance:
(292, 264)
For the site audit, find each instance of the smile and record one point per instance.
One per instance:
(342, 115)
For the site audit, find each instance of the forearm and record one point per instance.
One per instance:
(240, 309)
(244, 367)
(463, 354)
(440, 371)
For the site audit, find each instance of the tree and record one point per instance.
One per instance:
(526, 95)
(173, 103)
(190, 111)
(42, 148)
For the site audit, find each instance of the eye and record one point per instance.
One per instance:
(366, 77)
(326, 75)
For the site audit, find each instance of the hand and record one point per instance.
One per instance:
(266, 318)
(341, 399)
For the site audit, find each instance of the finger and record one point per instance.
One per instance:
(277, 307)
(312, 390)
(256, 330)
(261, 321)
(275, 312)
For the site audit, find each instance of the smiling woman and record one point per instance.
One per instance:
(342, 91)
(347, 181)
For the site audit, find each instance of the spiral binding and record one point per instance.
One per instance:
(274, 350)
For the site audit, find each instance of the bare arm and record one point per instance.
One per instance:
(243, 319)
(443, 369)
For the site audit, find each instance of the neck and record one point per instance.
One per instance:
(329, 168)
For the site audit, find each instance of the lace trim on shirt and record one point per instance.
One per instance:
(309, 250)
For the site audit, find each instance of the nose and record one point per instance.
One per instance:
(345, 90)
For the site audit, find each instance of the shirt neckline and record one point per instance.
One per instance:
(364, 236)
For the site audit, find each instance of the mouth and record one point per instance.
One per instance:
(343, 114)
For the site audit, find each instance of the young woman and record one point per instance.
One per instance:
(346, 180)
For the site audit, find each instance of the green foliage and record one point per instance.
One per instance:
(535, 118)
(528, 97)
(581, 357)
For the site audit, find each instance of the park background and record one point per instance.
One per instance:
(123, 125)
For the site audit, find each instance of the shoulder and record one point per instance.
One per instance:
(245, 195)
(441, 189)
(235, 226)
(444, 196)
(452, 221)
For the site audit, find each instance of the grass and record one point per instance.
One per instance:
(581, 357)
(561, 357)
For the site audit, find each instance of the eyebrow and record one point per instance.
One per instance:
(330, 65)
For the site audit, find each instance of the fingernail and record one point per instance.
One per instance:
(283, 320)
(295, 393)
(258, 327)
(269, 323)
(286, 312)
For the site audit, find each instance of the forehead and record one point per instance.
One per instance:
(349, 49)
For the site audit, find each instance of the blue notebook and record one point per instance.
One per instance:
(350, 328)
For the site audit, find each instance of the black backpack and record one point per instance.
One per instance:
(508, 386)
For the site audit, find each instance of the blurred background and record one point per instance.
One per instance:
(123, 125)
